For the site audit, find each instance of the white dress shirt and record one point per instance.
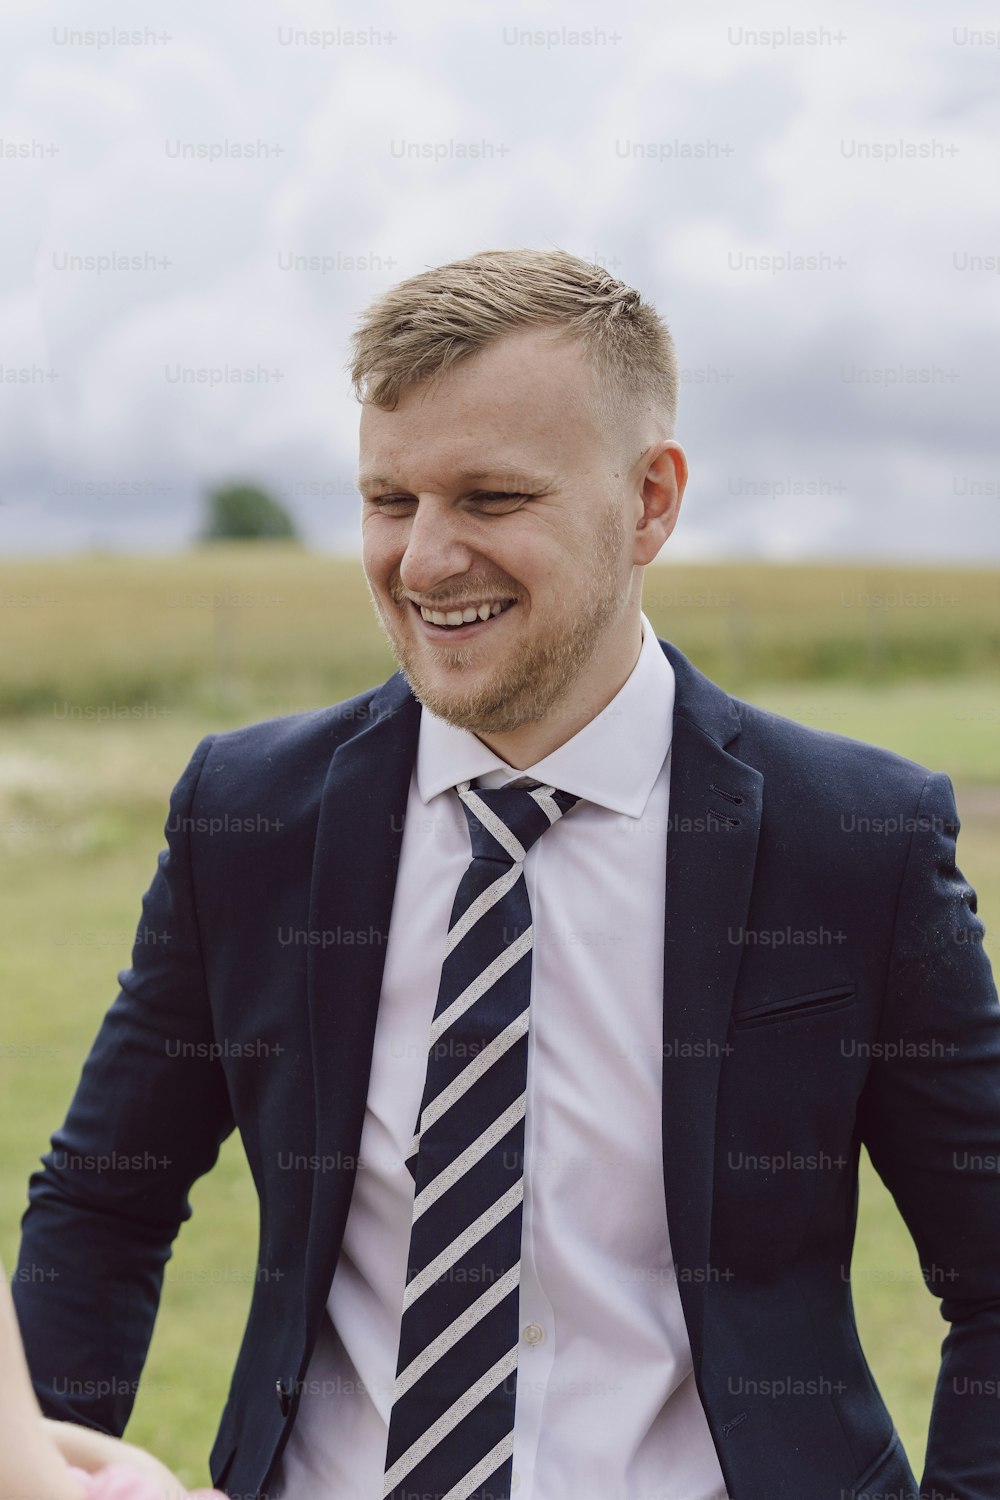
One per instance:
(606, 1405)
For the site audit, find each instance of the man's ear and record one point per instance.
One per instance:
(662, 477)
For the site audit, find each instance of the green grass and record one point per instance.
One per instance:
(83, 801)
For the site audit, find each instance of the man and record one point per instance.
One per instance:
(511, 917)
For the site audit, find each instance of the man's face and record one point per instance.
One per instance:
(493, 485)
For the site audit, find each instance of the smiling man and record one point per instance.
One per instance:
(579, 989)
(506, 524)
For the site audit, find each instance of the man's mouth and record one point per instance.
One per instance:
(461, 620)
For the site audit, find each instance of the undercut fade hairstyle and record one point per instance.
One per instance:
(423, 326)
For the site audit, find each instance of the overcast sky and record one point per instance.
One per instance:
(845, 406)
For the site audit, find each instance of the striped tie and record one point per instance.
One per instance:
(451, 1429)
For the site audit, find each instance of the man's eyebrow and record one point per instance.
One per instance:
(511, 474)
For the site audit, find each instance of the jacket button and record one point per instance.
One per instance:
(284, 1399)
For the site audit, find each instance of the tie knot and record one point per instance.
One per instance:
(505, 822)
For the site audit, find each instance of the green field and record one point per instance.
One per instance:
(115, 667)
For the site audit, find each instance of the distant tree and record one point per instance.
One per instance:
(246, 512)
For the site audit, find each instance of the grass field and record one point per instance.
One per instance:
(114, 668)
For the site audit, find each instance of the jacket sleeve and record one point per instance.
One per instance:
(930, 1118)
(148, 1116)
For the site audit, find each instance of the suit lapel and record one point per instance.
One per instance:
(713, 828)
(358, 841)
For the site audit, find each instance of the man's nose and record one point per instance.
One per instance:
(436, 546)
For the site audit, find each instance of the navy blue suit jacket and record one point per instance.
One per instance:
(825, 985)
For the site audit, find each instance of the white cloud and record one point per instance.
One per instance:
(770, 396)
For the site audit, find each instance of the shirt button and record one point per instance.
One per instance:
(532, 1333)
(515, 1480)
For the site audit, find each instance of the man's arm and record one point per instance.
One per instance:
(147, 1119)
(930, 1117)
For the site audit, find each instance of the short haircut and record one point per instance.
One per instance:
(423, 326)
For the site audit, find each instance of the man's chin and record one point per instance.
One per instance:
(458, 709)
(482, 712)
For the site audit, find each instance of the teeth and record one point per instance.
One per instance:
(463, 616)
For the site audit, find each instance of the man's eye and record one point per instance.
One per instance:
(381, 500)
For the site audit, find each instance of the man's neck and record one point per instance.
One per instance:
(532, 742)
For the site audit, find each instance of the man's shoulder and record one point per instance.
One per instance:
(824, 762)
(288, 755)
(787, 750)
(308, 730)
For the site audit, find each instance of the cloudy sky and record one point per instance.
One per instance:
(195, 193)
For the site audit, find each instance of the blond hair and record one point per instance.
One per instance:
(423, 326)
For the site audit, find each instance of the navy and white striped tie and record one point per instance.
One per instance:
(451, 1429)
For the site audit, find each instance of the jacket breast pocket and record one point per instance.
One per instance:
(795, 1007)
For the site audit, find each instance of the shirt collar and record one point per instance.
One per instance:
(613, 761)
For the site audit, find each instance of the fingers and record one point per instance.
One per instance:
(92, 1451)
